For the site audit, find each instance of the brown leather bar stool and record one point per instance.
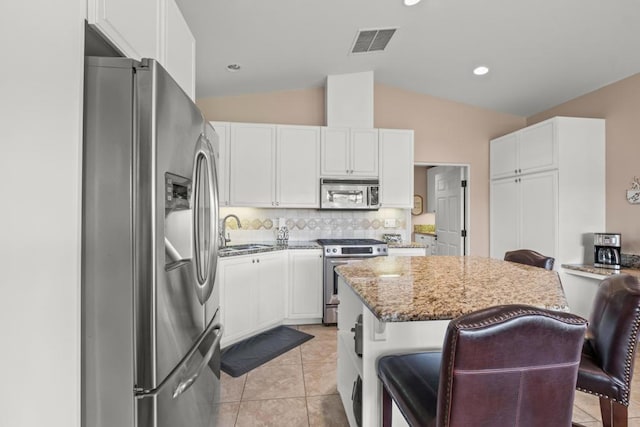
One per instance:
(606, 367)
(529, 257)
(504, 366)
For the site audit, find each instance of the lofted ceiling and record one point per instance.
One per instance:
(540, 52)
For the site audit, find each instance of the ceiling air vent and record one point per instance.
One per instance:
(372, 40)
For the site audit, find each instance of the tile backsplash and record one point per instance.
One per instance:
(311, 224)
(630, 260)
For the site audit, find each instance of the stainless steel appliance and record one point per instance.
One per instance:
(349, 194)
(606, 250)
(151, 334)
(338, 252)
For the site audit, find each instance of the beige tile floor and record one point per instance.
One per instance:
(295, 389)
(299, 389)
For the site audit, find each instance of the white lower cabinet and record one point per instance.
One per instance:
(252, 292)
(407, 252)
(305, 285)
(580, 290)
(428, 241)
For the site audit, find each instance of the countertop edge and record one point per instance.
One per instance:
(272, 247)
(586, 270)
(406, 245)
(357, 282)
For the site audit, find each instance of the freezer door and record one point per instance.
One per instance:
(189, 396)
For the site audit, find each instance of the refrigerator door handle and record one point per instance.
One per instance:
(205, 219)
(185, 383)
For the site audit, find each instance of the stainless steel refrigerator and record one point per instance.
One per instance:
(150, 321)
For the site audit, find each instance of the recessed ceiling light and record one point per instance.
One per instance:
(411, 2)
(233, 67)
(481, 70)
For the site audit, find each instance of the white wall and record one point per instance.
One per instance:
(40, 162)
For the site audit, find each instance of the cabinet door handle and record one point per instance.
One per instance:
(515, 171)
(258, 261)
(519, 170)
(253, 261)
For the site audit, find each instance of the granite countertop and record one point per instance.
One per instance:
(587, 268)
(427, 233)
(269, 247)
(274, 246)
(406, 245)
(399, 289)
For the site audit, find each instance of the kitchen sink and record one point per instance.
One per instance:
(248, 247)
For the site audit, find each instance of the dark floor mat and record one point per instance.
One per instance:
(253, 352)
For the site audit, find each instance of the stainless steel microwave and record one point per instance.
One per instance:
(349, 194)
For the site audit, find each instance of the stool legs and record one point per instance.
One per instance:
(613, 413)
(386, 408)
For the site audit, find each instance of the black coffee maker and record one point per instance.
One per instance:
(606, 250)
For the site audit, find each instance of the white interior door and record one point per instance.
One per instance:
(449, 211)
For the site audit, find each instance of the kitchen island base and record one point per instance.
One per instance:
(379, 338)
(406, 304)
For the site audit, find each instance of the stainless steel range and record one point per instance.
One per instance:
(338, 252)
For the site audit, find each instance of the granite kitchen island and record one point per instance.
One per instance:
(407, 302)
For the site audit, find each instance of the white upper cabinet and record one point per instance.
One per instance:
(178, 48)
(550, 192)
(504, 156)
(349, 152)
(364, 152)
(222, 129)
(297, 165)
(274, 166)
(252, 164)
(148, 29)
(532, 149)
(132, 27)
(396, 168)
(335, 151)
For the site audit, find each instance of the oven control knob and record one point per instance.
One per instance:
(334, 250)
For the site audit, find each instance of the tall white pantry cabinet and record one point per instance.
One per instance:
(548, 188)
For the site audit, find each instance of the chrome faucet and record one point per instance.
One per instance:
(224, 237)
